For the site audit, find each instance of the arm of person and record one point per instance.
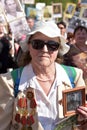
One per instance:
(6, 100)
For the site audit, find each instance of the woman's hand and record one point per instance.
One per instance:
(82, 117)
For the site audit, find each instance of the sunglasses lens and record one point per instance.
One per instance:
(39, 44)
(52, 45)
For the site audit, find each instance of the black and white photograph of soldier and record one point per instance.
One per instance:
(74, 99)
(13, 9)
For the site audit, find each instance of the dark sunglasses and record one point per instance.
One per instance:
(39, 44)
(61, 28)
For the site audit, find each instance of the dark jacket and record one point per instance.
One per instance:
(6, 61)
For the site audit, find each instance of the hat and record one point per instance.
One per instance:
(51, 30)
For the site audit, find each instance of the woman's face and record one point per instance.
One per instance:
(80, 36)
(42, 57)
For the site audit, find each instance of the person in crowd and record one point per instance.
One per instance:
(70, 39)
(79, 60)
(62, 26)
(80, 38)
(38, 103)
(30, 21)
(11, 10)
(6, 61)
(78, 51)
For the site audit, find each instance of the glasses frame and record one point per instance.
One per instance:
(51, 45)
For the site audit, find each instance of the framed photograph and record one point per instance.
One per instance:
(57, 10)
(69, 10)
(47, 13)
(72, 98)
(19, 28)
(31, 11)
(13, 10)
(83, 13)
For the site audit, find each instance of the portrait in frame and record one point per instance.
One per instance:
(83, 13)
(72, 98)
(57, 10)
(13, 10)
(69, 10)
(47, 12)
(19, 28)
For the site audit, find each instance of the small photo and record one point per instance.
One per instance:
(72, 98)
(57, 10)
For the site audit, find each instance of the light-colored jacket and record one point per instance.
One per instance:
(7, 99)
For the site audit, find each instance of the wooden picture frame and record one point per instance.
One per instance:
(72, 98)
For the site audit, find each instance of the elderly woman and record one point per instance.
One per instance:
(38, 103)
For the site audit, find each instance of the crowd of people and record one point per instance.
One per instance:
(31, 93)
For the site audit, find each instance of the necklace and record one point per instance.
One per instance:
(45, 80)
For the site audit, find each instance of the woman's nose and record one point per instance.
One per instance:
(45, 48)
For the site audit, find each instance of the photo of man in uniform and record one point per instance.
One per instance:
(11, 10)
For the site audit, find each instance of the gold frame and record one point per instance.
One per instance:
(70, 104)
(69, 14)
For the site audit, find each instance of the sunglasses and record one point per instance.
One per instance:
(61, 28)
(39, 44)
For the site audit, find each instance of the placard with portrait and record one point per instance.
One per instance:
(69, 10)
(83, 13)
(57, 10)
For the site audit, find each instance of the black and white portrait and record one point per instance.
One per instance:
(19, 28)
(13, 10)
(74, 100)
